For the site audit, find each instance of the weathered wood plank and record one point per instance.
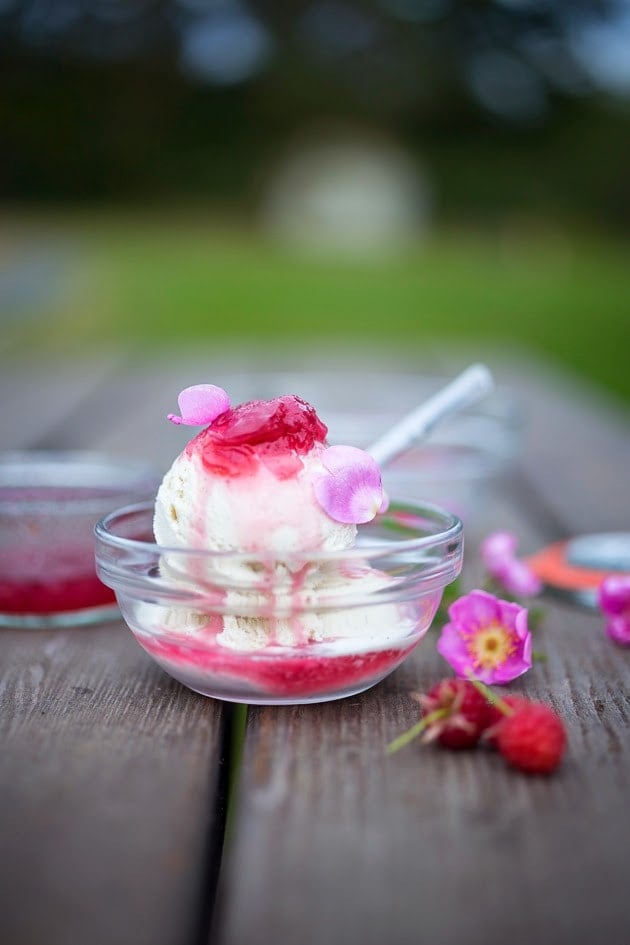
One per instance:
(334, 841)
(111, 777)
(331, 840)
(39, 398)
(576, 446)
(107, 792)
(151, 385)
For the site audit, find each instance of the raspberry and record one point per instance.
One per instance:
(496, 718)
(466, 713)
(532, 739)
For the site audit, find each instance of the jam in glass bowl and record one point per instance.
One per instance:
(310, 627)
(49, 504)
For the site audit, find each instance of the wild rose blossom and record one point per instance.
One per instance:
(486, 638)
(498, 553)
(614, 603)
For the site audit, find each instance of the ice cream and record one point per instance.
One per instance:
(281, 605)
(254, 481)
(278, 574)
(245, 483)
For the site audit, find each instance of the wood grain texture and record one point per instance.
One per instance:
(40, 398)
(577, 453)
(107, 791)
(110, 772)
(334, 841)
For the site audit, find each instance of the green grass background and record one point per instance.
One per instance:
(562, 293)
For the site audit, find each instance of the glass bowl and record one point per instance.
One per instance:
(306, 628)
(49, 504)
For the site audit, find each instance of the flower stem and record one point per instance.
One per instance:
(415, 730)
(491, 696)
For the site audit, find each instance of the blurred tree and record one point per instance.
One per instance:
(112, 98)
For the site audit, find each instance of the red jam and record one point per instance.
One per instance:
(273, 432)
(48, 567)
(40, 597)
(300, 675)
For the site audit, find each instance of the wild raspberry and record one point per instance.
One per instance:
(497, 715)
(532, 738)
(461, 713)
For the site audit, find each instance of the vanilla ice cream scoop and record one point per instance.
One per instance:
(259, 588)
(261, 478)
(197, 507)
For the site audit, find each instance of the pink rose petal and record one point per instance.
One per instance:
(614, 603)
(614, 594)
(518, 578)
(200, 405)
(513, 615)
(350, 491)
(498, 545)
(452, 647)
(498, 553)
(618, 630)
(477, 608)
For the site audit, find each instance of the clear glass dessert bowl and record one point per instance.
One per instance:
(264, 629)
(49, 504)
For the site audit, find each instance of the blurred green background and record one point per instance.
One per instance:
(387, 173)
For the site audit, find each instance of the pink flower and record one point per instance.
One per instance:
(350, 490)
(498, 553)
(614, 603)
(200, 405)
(486, 638)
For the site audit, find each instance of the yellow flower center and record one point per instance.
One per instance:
(490, 646)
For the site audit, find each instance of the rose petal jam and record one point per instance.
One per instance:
(46, 549)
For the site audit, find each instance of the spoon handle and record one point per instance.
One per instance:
(466, 389)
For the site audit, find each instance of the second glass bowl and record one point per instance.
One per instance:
(307, 628)
(49, 504)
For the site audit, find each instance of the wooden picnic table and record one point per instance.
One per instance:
(134, 811)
